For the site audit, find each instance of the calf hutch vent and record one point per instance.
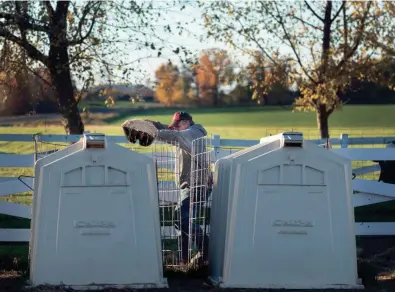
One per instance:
(282, 217)
(95, 220)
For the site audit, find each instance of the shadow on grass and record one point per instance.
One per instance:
(13, 222)
(380, 212)
(14, 256)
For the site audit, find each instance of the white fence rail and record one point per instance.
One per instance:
(367, 191)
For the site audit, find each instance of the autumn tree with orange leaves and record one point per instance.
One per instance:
(169, 89)
(213, 71)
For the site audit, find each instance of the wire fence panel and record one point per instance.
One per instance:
(166, 158)
(43, 148)
(199, 201)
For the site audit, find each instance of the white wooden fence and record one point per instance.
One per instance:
(367, 191)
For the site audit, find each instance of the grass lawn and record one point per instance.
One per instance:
(371, 116)
(229, 123)
(252, 122)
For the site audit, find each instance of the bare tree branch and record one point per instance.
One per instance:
(313, 11)
(293, 47)
(307, 23)
(358, 40)
(21, 14)
(338, 12)
(27, 22)
(86, 11)
(31, 70)
(345, 29)
(32, 52)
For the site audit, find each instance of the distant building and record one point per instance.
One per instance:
(142, 92)
(124, 92)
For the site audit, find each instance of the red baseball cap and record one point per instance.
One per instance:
(178, 117)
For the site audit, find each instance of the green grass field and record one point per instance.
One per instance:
(252, 122)
(229, 123)
(280, 117)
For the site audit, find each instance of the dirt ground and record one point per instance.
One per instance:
(12, 281)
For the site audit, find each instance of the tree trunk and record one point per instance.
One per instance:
(59, 67)
(322, 112)
(61, 79)
(322, 121)
(215, 96)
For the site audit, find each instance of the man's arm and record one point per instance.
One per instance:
(183, 138)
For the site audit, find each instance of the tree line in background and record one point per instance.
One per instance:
(216, 79)
(332, 52)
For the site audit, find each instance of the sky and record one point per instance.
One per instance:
(195, 41)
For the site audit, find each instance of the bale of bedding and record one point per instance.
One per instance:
(145, 131)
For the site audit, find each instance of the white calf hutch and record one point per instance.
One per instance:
(282, 217)
(95, 218)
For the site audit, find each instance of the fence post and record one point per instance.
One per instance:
(344, 140)
(216, 146)
(35, 138)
